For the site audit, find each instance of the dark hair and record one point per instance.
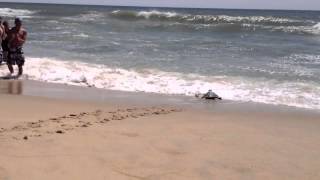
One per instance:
(5, 23)
(17, 20)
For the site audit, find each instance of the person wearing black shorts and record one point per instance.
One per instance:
(17, 37)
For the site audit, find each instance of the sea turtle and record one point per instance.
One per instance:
(210, 95)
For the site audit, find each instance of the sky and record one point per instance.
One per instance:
(237, 4)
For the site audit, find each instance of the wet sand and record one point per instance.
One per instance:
(116, 135)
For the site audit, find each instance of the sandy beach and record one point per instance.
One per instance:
(119, 90)
(64, 138)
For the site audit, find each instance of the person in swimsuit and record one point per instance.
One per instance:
(5, 41)
(2, 34)
(17, 37)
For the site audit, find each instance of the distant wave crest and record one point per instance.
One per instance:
(190, 22)
(91, 16)
(201, 19)
(8, 12)
(317, 26)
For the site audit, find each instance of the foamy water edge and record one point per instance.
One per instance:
(154, 81)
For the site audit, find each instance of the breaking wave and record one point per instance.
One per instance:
(190, 22)
(174, 21)
(91, 16)
(312, 30)
(202, 19)
(23, 13)
(317, 28)
(298, 94)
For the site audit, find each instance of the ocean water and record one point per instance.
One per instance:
(262, 56)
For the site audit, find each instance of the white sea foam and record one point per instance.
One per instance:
(81, 35)
(310, 59)
(148, 14)
(23, 13)
(246, 19)
(91, 16)
(316, 29)
(148, 80)
(312, 30)
(317, 26)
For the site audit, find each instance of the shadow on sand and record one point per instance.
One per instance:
(9, 77)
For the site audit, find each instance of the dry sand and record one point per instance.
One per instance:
(42, 138)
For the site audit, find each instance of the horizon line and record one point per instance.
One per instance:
(169, 7)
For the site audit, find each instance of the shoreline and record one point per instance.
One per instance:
(171, 84)
(120, 135)
(97, 95)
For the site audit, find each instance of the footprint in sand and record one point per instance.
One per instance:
(72, 121)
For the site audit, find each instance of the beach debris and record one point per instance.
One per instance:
(25, 137)
(59, 132)
(83, 114)
(2, 130)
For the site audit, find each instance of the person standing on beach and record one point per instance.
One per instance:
(2, 34)
(17, 37)
(5, 41)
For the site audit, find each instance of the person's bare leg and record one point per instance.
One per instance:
(5, 54)
(10, 68)
(20, 70)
